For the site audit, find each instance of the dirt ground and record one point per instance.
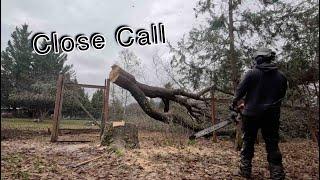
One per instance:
(161, 156)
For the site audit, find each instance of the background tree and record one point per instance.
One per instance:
(220, 49)
(131, 63)
(215, 51)
(16, 63)
(30, 79)
(117, 109)
(97, 103)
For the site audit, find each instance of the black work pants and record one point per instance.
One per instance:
(269, 124)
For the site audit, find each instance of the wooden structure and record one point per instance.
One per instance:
(198, 105)
(59, 100)
(140, 92)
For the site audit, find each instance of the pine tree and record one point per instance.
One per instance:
(16, 63)
(30, 79)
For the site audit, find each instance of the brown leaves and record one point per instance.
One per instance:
(200, 160)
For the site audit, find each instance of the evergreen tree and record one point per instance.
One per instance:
(294, 30)
(30, 79)
(16, 63)
(97, 103)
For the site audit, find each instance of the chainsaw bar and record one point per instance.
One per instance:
(210, 129)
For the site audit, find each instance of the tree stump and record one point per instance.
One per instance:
(120, 135)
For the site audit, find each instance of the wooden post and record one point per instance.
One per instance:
(103, 124)
(57, 109)
(106, 103)
(213, 114)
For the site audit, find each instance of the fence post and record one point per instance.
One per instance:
(105, 105)
(57, 109)
(103, 108)
(213, 114)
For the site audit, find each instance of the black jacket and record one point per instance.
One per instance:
(264, 87)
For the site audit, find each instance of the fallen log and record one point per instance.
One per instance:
(197, 104)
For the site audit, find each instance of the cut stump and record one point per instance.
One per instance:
(120, 135)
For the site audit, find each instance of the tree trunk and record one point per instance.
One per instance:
(232, 48)
(238, 140)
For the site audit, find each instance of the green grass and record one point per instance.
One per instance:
(28, 124)
(192, 142)
(119, 152)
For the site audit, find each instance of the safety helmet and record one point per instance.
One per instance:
(265, 52)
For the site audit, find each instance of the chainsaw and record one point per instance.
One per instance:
(235, 117)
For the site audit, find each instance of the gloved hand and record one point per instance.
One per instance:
(234, 104)
(240, 106)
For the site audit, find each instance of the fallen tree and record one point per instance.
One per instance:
(196, 104)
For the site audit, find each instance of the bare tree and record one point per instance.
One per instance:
(130, 63)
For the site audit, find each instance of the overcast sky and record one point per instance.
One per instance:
(90, 16)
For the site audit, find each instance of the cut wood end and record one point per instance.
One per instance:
(118, 123)
(114, 73)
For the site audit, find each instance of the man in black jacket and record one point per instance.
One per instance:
(263, 87)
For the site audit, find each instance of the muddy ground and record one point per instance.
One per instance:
(161, 156)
